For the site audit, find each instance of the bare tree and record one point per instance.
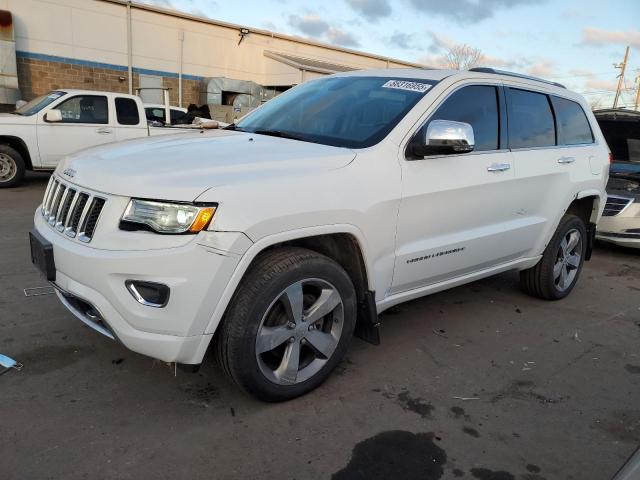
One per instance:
(463, 57)
(596, 103)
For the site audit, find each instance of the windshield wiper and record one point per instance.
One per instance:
(233, 126)
(281, 134)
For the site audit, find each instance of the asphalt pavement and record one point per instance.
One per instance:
(479, 382)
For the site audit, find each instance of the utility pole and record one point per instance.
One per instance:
(637, 93)
(622, 66)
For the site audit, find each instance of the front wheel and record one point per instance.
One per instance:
(288, 325)
(12, 167)
(558, 270)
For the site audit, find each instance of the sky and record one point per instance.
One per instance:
(574, 42)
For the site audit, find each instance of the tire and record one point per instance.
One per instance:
(557, 272)
(12, 167)
(261, 334)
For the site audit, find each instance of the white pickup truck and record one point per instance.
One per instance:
(38, 134)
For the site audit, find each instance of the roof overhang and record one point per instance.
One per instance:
(308, 64)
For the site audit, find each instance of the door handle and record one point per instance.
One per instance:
(498, 167)
(566, 159)
(104, 131)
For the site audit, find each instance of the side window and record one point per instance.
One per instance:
(85, 109)
(573, 126)
(127, 111)
(531, 121)
(155, 114)
(176, 115)
(476, 105)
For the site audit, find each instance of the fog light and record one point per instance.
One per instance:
(150, 294)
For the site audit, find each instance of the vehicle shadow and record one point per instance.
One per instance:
(611, 249)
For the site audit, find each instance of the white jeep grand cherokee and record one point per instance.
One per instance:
(276, 239)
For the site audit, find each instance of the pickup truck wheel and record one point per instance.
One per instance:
(289, 324)
(11, 167)
(557, 272)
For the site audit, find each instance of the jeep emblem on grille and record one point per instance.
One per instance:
(70, 172)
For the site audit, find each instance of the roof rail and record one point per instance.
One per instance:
(512, 74)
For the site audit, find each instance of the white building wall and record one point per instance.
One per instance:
(96, 31)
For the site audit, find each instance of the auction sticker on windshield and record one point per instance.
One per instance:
(406, 85)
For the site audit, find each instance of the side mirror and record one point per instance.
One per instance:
(445, 137)
(53, 115)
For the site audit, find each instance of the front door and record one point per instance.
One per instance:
(85, 123)
(455, 208)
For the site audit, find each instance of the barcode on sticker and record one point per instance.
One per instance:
(406, 85)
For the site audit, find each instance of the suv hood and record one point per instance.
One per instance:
(181, 167)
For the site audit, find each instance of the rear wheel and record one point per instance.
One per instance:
(12, 167)
(557, 272)
(289, 324)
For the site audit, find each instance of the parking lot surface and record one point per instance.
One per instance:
(479, 382)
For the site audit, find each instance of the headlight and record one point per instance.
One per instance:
(167, 217)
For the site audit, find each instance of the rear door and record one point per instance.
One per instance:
(454, 207)
(130, 119)
(551, 142)
(85, 123)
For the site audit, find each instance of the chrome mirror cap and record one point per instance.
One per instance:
(447, 136)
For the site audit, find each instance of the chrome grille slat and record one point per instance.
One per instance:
(83, 217)
(71, 211)
(72, 207)
(56, 203)
(76, 215)
(63, 211)
(52, 194)
(47, 192)
(616, 205)
(91, 219)
(63, 199)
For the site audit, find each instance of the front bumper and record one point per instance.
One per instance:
(622, 229)
(90, 282)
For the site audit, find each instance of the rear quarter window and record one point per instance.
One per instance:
(573, 126)
(127, 111)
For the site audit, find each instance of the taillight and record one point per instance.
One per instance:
(610, 157)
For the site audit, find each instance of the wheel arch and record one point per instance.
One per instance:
(20, 146)
(344, 244)
(588, 206)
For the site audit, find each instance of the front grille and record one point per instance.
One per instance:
(615, 205)
(71, 211)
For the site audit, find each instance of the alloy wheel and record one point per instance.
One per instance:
(299, 331)
(568, 260)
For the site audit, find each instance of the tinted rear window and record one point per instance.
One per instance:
(531, 121)
(573, 126)
(127, 111)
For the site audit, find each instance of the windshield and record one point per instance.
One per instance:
(37, 104)
(353, 112)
